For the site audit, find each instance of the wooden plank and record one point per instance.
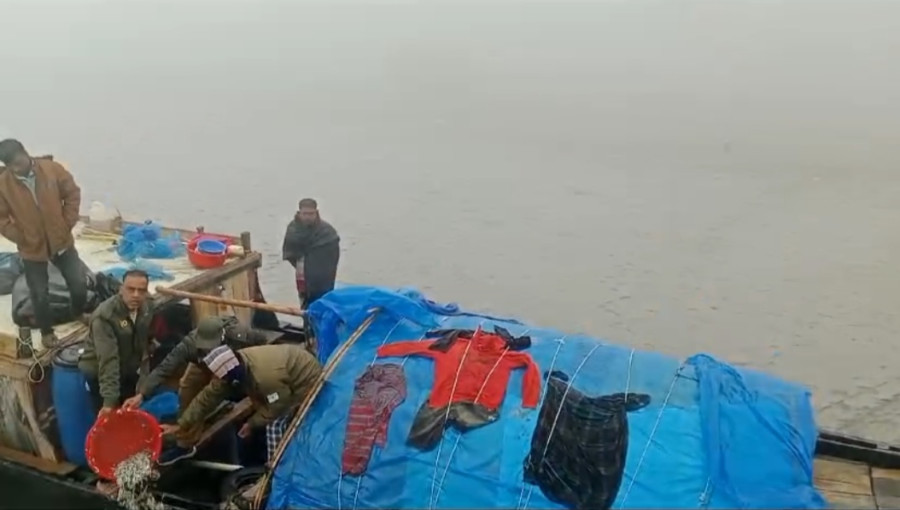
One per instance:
(15, 368)
(47, 466)
(212, 277)
(886, 488)
(235, 288)
(239, 287)
(890, 474)
(201, 309)
(843, 487)
(8, 346)
(850, 501)
(842, 476)
(237, 412)
(887, 503)
(44, 447)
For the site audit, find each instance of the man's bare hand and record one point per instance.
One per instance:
(133, 402)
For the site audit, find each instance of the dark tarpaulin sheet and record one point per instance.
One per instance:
(713, 436)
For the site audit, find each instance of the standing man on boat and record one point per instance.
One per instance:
(116, 353)
(312, 246)
(187, 356)
(39, 202)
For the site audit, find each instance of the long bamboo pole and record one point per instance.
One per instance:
(287, 310)
(304, 408)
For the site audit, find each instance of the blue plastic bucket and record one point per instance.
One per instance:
(211, 247)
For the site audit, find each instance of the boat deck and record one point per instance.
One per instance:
(848, 484)
(99, 256)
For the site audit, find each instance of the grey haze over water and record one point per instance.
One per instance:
(679, 176)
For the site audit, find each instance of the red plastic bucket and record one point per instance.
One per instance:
(202, 260)
(118, 435)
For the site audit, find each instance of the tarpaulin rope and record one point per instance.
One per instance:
(306, 405)
(559, 411)
(437, 457)
(560, 342)
(341, 477)
(707, 492)
(383, 342)
(652, 433)
(459, 435)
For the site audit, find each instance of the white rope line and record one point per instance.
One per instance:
(383, 342)
(459, 436)
(705, 495)
(558, 411)
(560, 342)
(652, 433)
(389, 333)
(437, 457)
(341, 478)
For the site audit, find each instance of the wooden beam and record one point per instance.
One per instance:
(240, 410)
(211, 277)
(43, 465)
(26, 401)
(287, 310)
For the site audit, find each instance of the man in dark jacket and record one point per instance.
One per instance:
(312, 246)
(39, 203)
(211, 332)
(116, 353)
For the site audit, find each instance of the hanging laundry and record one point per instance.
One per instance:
(376, 393)
(446, 338)
(482, 371)
(471, 378)
(579, 446)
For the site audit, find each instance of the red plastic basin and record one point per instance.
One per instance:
(119, 435)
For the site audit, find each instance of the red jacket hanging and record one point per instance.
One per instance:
(479, 364)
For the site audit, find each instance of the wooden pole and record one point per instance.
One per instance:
(287, 310)
(305, 406)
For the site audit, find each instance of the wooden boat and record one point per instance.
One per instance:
(851, 472)
(30, 448)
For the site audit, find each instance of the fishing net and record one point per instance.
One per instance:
(154, 271)
(147, 241)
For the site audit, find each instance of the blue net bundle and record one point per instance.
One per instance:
(154, 271)
(704, 434)
(147, 241)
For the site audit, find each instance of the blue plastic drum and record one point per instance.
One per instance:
(72, 401)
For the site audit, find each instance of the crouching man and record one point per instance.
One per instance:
(211, 332)
(276, 379)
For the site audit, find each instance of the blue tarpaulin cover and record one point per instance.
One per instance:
(713, 436)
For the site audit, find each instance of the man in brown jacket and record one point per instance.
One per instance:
(276, 378)
(39, 203)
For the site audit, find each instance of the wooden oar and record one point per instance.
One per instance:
(287, 310)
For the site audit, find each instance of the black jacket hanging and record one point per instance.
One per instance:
(582, 463)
